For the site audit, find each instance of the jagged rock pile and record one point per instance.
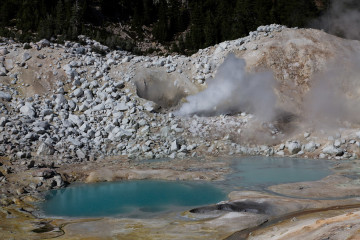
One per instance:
(89, 115)
(89, 107)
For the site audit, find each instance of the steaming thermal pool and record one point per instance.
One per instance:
(148, 197)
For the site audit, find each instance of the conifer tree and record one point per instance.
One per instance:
(209, 29)
(161, 27)
(60, 17)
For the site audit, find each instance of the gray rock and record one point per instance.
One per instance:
(39, 130)
(46, 173)
(59, 181)
(44, 43)
(183, 148)
(45, 149)
(84, 107)
(26, 56)
(42, 124)
(293, 147)
(31, 164)
(21, 155)
(80, 50)
(79, 92)
(280, 153)
(60, 99)
(174, 146)
(145, 130)
(76, 82)
(88, 94)
(72, 104)
(85, 127)
(310, 147)
(145, 148)
(80, 154)
(3, 121)
(142, 122)
(99, 107)
(126, 59)
(191, 147)
(3, 51)
(123, 134)
(46, 112)
(28, 110)
(72, 73)
(337, 143)
(149, 155)
(9, 64)
(165, 131)
(67, 123)
(5, 96)
(60, 90)
(119, 84)
(3, 72)
(74, 142)
(31, 137)
(121, 106)
(75, 119)
(90, 133)
(332, 150)
(98, 74)
(357, 134)
(150, 106)
(89, 60)
(178, 130)
(110, 61)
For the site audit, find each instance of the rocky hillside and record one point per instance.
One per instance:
(66, 103)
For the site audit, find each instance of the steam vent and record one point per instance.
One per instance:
(170, 120)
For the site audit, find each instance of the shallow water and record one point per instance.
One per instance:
(259, 172)
(129, 198)
(148, 198)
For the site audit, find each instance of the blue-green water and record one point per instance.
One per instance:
(129, 198)
(257, 172)
(148, 198)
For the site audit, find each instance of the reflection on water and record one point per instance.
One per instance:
(130, 197)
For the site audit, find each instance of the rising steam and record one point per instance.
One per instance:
(234, 90)
(342, 19)
(335, 93)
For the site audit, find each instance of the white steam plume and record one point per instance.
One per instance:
(234, 90)
(335, 93)
(342, 19)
